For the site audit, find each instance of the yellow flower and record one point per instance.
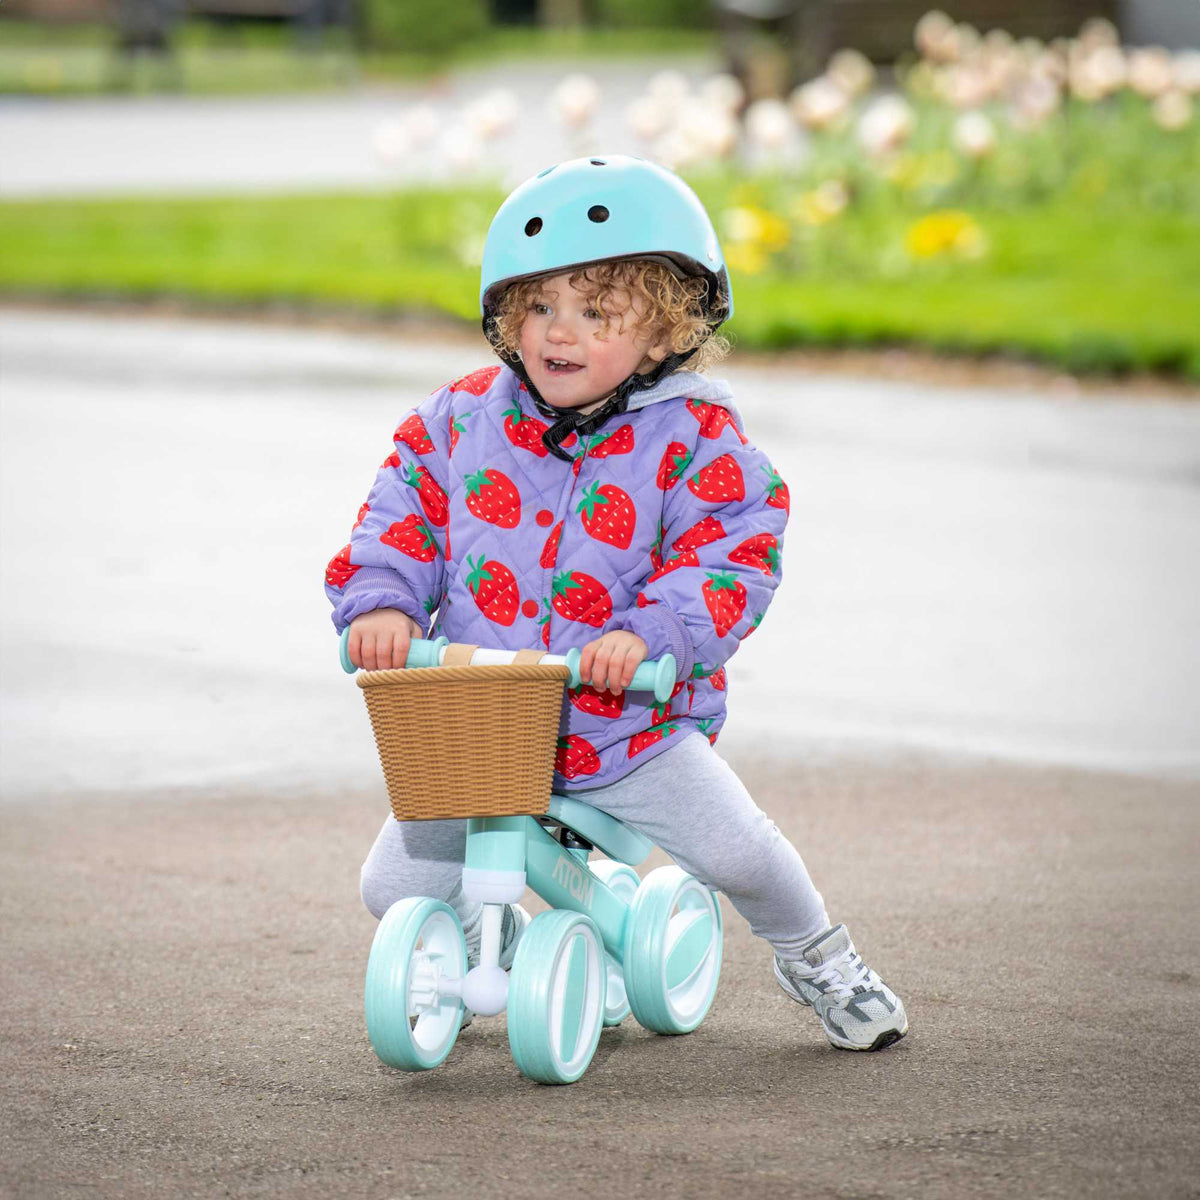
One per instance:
(822, 204)
(945, 232)
(748, 223)
(747, 257)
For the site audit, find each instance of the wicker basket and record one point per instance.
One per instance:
(466, 741)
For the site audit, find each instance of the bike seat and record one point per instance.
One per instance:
(618, 840)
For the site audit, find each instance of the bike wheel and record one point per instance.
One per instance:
(418, 942)
(556, 997)
(624, 881)
(673, 943)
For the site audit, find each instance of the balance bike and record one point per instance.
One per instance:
(611, 943)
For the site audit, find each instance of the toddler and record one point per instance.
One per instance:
(598, 490)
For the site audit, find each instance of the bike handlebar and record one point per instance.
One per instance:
(654, 675)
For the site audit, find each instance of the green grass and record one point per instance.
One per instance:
(1083, 288)
(78, 60)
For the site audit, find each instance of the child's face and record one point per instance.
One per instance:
(562, 323)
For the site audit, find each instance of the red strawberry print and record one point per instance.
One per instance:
(392, 460)
(340, 568)
(755, 624)
(644, 601)
(412, 537)
(713, 419)
(761, 551)
(412, 432)
(362, 512)
(725, 598)
(645, 739)
(688, 558)
(704, 725)
(719, 482)
(493, 497)
(656, 559)
(579, 597)
(550, 549)
(620, 441)
(777, 491)
(545, 624)
(599, 704)
(700, 534)
(477, 382)
(433, 500)
(576, 756)
(717, 679)
(608, 514)
(457, 428)
(525, 432)
(494, 588)
(675, 461)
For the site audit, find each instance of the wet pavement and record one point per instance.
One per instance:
(974, 571)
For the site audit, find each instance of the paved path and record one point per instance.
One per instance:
(195, 145)
(969, 571)
(183, 991)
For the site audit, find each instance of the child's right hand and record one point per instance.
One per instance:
(379, 639)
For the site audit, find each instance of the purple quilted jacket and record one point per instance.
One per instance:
(668, 523)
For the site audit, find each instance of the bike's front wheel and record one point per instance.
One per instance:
(411, 1024)
(556, 997)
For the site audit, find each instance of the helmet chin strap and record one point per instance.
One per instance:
(567, 421)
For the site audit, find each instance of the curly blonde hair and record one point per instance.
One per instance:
(672, 308)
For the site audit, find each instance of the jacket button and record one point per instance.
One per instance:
(545, 517)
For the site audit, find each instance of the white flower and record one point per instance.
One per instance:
(1098, 31)
(423, 124)
(709, 131)
(851, 72)
(831, 197)
(934, 35)
(462, 149)
(1173, 110)
(768, 124)
(493, 114)
(974, 135)
(675, 150)
(575, 100)
(670, 90)
(886, 125)
(819, 103)
(1097, 73)
(723, 92)
(646, 117)
(1151, 71)
(1187, 71)
(964, 85)
(1034, 100)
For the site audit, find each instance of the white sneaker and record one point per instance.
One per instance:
(857, 1009)
(512, 926)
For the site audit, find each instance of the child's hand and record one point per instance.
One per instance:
(609, 662)
(379, 639)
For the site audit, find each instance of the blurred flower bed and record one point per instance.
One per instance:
(1000, 196)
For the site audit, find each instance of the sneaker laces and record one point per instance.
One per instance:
(842, 975)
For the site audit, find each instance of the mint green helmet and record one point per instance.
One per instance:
(610, 206)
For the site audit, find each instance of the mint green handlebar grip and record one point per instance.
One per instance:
(654, 675)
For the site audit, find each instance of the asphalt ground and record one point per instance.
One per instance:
(182, 1009)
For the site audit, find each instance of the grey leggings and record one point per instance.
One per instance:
(687, 801)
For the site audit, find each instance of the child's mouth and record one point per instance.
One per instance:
(556, 366)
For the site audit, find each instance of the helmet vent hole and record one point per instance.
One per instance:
(543, 174)
(598, 213)
(533, 226)
(599, 162)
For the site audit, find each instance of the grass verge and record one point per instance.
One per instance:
(1088, 290)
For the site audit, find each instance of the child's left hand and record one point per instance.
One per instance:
(609, 662)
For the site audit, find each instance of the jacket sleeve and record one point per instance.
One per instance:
(395, 556)
(721, 544)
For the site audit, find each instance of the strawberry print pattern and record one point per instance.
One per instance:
(663, 521)
(608, 514)
(493, 497)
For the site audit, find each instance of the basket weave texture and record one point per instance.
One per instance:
(466, 741)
